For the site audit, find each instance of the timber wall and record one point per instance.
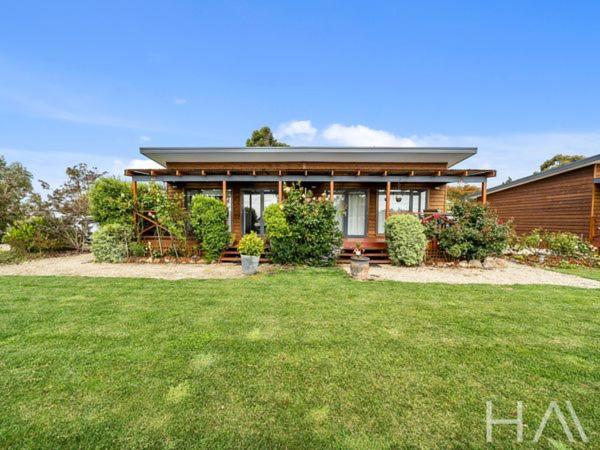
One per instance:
(559, 203)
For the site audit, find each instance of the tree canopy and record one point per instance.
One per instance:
(263, 137)
(15, 192)
(559, 160)
(461, 193)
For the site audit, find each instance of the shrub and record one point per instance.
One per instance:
(304, 230)
(111, 201)
(532, 241)
(278, 234)
(138, 249)
(11, 257)
(35, 234)
(111, 243)
(406, 240)
(208, 217)
(251, 245)
(568, 245)
(475, 233)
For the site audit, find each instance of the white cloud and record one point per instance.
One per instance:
(145, 138)
(143, 164)
(180, 101)
(362, 136)
(301, 130)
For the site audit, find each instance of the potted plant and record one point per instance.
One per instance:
(250, 247)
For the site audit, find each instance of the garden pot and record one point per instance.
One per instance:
(359, 267)
(250, 264)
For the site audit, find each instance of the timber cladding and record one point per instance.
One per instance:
(558, 203)
(436, 197)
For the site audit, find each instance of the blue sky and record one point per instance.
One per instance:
(92, 81)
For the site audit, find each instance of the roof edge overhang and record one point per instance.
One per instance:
(447, 155)
(547, 174)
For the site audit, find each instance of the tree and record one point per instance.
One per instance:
(508, 180)
(263, 137)
(16, 192)
(461, 193)
(68, 205)
(559, 160)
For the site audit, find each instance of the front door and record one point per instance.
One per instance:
(255, 201)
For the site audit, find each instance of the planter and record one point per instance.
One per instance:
(359, 267)
(250, 264)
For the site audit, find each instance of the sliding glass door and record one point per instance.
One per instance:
(414, 201)
(255, 202)
(351, 206)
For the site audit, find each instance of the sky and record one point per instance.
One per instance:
(93, 81)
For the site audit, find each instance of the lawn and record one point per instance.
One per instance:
(585, 272)
(296, 359)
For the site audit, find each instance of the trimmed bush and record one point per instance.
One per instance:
(35, 234)
(208, 217)
(406, 240)
(111, 201)
(303, 230)
(111, 243)
(476, 233)
(251, 245)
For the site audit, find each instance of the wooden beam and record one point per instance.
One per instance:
(388, 189)
(595, 204)
(225, 192)
(484, 192)
(280, 191)
(331, 189)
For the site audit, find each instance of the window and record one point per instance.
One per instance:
(414, 201)
(351, 209)
(255, 202)
(214, 193)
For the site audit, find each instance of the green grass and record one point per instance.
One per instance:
(296, 359)
(584, 272)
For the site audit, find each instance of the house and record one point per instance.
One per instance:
(566, 198)
(366, 184)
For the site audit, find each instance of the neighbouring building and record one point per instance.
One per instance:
(566, 198)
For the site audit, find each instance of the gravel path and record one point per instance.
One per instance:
(512, 274)
(83, 265)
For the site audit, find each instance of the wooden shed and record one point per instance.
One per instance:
(566, 198)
